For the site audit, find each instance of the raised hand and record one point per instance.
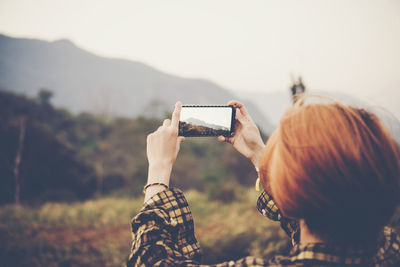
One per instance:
(247, 138)
(162, 149)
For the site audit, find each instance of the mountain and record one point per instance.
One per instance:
(198, 122)
(83, 81)
(274, 104)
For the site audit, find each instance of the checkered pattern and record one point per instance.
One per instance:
(163, 235)
(163, 232)
(268, 208)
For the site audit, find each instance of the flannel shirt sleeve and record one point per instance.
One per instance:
(163, 235)
(163, 232)
(388, 253)
(268, 208)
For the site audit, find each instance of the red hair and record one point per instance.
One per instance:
(334, 166)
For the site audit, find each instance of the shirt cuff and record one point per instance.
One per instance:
(173, 202)
(169, 210)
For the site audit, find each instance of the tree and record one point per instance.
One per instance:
(39, 153)
(45, 96)
(18, 157)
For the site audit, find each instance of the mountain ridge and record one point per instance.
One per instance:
(84, 81)
(198, 122)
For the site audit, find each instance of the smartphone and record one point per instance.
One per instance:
(207, 120)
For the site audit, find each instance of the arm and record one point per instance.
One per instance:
(163, 232)
(247, 140)
(163, 235)
(162, 149)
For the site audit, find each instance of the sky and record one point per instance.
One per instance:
(336, 45)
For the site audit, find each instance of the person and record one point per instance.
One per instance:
(297, 90)
(330, 177)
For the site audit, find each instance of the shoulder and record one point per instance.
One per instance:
(388, 247)
(251, 261)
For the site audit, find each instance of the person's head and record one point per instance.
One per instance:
(336, 167)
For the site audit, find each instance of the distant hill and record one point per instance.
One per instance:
(274, 104)
(198, 122)
(82, 81)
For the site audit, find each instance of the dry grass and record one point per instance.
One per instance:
(97, 232)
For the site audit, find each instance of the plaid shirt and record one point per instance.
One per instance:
(163, 235)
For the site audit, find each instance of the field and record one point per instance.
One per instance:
(76, 208)
(97, 232)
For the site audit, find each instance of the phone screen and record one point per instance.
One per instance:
(207, 120)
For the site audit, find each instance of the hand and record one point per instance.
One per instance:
(247, 138)
(162, 149)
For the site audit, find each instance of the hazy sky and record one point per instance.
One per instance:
(348, 46)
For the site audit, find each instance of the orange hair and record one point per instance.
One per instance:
(334, 166)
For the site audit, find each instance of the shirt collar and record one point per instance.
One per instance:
(333, 253)
(267, 207)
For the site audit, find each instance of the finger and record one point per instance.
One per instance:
(240, 106)
(225, 139)
(221, 138)
(176, 114)
(229, 140)
(167, 122)
(239, 115)
(237, 104)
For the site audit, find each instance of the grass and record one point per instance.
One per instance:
(97, 232)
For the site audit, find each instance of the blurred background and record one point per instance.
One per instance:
(82, 83)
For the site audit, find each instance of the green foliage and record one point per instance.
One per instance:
(48, 165)
(44, 96)
(71, 157)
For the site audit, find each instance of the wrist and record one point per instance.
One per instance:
(153, 190)
(159, 173)
(255, 159)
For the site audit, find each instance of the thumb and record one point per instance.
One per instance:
(181, 139)
(178, 144)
